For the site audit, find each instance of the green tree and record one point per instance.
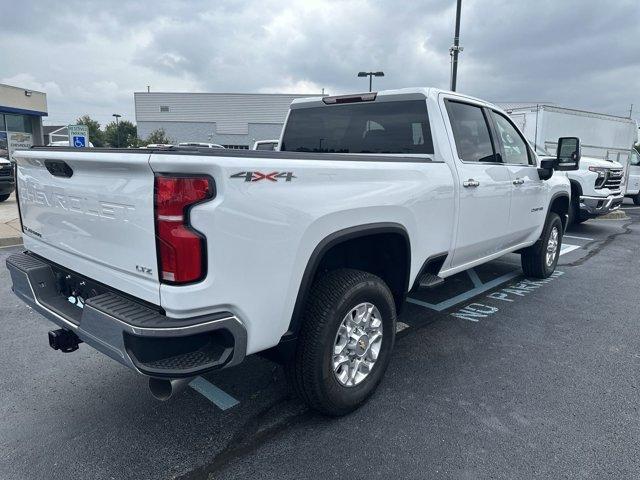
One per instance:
(96, 136)
(158, 136)
(124, 135)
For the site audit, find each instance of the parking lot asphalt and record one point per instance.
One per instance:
(510, 379)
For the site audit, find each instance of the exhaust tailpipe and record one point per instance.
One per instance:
(164, 388)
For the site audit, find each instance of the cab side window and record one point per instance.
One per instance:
(471, 132)
(514, 146)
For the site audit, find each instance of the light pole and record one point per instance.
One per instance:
(117, 128)
(370, 75)
(455, 48)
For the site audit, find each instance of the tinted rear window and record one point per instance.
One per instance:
(383, 127)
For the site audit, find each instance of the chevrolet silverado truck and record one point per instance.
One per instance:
(596, 188)
(178, 262)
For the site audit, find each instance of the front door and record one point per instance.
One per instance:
(528, 198)
(485, 185)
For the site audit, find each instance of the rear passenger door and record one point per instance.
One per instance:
(485, 184)
(528, 198)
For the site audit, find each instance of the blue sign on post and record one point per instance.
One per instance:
(78, 136)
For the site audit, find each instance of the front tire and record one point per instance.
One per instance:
(540, 259)
(636, 199)
(576, 217)
(4, 197)
(345, 342)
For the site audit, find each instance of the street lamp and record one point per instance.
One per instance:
(117, 128)
(370, 75)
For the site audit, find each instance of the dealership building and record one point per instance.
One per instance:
(21, 112)
(234, 120)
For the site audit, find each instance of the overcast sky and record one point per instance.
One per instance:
(89, 56)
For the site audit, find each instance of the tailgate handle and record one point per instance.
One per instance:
(58, 168)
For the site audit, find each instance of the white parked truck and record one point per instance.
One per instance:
(633, 185)
(598, 187)
(179, 262)
(265, 145)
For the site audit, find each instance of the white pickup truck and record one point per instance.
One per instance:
(179, 262)
(633, 186)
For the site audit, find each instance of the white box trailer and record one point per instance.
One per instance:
(602, 136)
(607, 142)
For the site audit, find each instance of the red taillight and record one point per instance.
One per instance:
(181, 249)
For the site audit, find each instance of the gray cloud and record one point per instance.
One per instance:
(91, 56)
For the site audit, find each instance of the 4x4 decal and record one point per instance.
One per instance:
(257, 176)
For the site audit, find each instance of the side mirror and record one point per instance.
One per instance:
(568, 154)
(545, 172)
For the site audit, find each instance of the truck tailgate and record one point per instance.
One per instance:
(92, 212)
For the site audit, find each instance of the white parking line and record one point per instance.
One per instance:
(567, 247)
(577, 237)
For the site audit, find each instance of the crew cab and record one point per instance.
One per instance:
(178, 262)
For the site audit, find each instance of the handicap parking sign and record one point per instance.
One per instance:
(78, 136)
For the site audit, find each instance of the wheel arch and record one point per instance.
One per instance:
(559, 204)
(371, 235)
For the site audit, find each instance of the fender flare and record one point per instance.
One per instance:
(324, 246)
(553, 198)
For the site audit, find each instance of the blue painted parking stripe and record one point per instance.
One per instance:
(220, 398)
(479, 286)
(474, 277)
(466, 295)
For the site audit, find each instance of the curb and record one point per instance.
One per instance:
(10, 241)
(617, 215)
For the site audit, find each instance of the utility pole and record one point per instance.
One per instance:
(455, 49)
(117, 128)
(630, 110)
(148, 88)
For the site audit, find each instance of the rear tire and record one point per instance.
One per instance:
(540, 259)
(338, 362)
(4, 197)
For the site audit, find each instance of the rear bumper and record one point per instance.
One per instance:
(596, 206)
(131, 332)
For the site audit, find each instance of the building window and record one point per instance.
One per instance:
(236, 147)
(164, 108)
(18, 123)
(3, 127)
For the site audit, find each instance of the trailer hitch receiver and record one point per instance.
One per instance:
(64, 340)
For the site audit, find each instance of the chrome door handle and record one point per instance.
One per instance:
(518, 181)
(470, 183)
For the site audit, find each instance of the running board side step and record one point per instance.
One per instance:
(429, 280)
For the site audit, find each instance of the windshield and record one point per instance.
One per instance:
(383, 127)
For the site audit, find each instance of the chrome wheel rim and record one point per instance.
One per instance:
(357, 344)
(552, 246)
